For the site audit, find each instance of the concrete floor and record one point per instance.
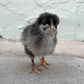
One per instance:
(14, 65)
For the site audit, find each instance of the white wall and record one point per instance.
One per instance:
(15, 14)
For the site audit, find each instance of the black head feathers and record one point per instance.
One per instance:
(48, 17)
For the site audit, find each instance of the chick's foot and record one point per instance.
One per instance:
(43, 63)
(34, 69)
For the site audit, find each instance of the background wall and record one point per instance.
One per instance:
(16, 14)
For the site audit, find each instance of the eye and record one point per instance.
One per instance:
(44, 22)
(44, 28)
(55, 26)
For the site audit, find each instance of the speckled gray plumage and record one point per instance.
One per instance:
(36, 43)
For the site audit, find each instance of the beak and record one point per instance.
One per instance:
(51, 27)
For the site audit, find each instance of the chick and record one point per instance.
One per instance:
(39, 38)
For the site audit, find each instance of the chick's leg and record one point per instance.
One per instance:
(43, 63)
(34, 68)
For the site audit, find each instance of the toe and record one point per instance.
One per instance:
(45, 65)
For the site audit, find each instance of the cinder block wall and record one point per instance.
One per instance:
(16, 14)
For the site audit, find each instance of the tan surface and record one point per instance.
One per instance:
(74, 48)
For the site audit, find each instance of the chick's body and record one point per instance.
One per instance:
(38, 43)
